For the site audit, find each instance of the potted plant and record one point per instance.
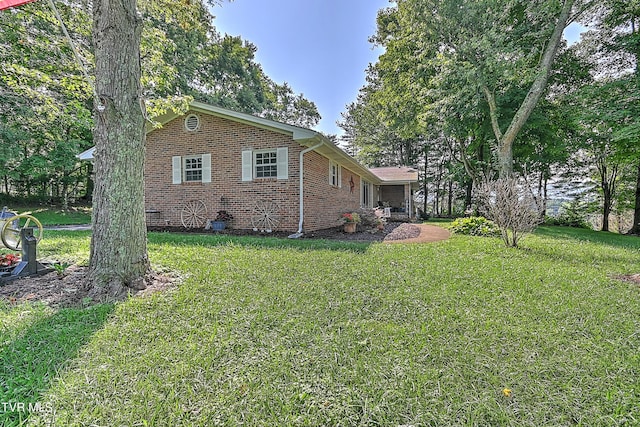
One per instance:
(220, 221)
(351, 220)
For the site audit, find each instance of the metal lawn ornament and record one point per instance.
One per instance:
(21, 233)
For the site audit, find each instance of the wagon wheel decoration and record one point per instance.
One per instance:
(10, 232)
(265, 216)
(193, 214)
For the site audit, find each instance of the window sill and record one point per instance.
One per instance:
(268, 179)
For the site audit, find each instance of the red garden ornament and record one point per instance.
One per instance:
(6, 4)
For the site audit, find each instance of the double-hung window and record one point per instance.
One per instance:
(366, 194)
(192, 168)
(335, 175)
(266, 164)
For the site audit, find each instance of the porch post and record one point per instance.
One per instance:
(409, 202)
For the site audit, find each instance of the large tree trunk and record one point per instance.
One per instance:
(608, 178)
(425, 187)
(450, 199)
(118, 261)
(468, 197)
(505, 140)
(606, 212)
(635, 228)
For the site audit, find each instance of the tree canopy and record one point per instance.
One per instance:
(46, 101)
(490, 87)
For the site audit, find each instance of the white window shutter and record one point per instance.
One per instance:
(176, 162)
(282, 155)
(206, 167)
(247, 165)
(339, 176)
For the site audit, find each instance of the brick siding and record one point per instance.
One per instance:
(225, 140)
(324, 203)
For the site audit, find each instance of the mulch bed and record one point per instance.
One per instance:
(68, 289)
(391, 231)
(633, 278)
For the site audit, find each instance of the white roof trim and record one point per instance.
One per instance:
(86, 154)
(304, 137)
(297, 132)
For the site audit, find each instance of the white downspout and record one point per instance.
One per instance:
(302, 153)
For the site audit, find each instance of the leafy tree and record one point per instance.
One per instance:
(43, 95)
(614, 48)
(45, 100)
(624, 19)
(598, 115)
(463, 79)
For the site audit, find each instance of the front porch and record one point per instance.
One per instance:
(397, 201)
(395, 192)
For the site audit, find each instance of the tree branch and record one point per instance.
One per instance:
(539, 84)
(493, 112)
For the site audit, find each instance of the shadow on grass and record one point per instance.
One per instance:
(439, 221)
(31, 361)
(591, 236)
(56, 241)
(209, 240)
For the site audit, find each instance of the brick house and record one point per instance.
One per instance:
(268, 175)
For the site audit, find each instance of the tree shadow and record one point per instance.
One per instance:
(269, 242)
(59, 239)
(598, 237)
(32, 360)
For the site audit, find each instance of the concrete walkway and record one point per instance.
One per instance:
(428, 233)
(78, 227)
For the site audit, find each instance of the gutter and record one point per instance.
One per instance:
(299, 233)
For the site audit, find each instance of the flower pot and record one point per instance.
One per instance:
(218, 225)
(350, 227)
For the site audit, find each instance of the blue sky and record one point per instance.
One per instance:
(319, 47)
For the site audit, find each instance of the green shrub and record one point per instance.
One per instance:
(475, 226)
(572, 214)
(368, 217)
(567, 221)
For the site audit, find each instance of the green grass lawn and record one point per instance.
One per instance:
(275, 332)
(55, 215)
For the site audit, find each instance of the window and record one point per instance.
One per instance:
(272, 163)
(192, 168)
(266, 164)
(366, 194)
(335, 174)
